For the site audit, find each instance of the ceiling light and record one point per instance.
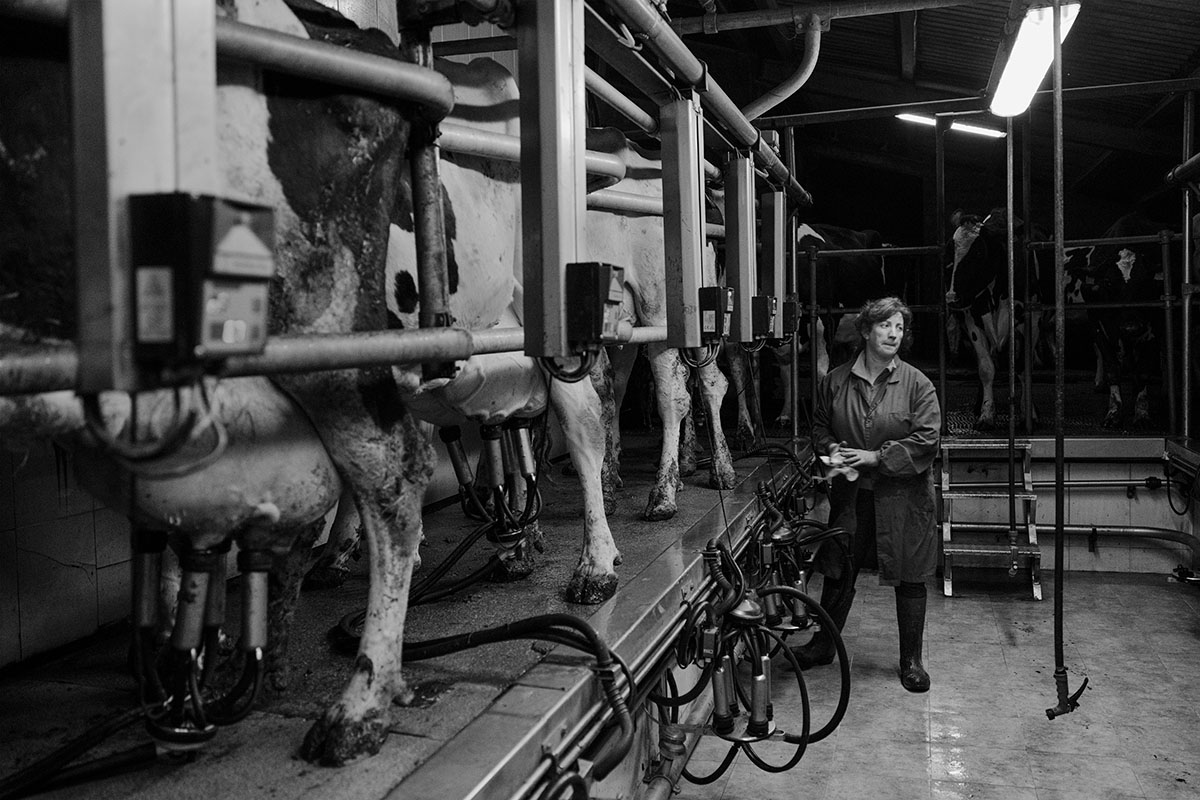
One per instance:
(1030, 58)
(977, 130)
(917, 118)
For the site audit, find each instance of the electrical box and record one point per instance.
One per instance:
(202, 268)
(594, 294)
(791, 317)
(716, 312)
(762, 316)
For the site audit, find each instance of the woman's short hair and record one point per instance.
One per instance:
(875, 311)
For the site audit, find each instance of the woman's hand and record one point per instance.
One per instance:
(859, 459)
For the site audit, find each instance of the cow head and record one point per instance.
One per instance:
(977, 259)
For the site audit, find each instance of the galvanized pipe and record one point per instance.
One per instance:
(808, 63)
(463, 139)
(615, 200)
(794, 14)
(304, 58)
(1137, 531)
(646, 20)
(618, 101)
(1168, 307)
(1187, 268)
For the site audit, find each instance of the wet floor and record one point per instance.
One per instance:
(982, 731)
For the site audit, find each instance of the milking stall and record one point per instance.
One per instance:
(446, 399)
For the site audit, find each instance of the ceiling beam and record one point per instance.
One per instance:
(906, 32)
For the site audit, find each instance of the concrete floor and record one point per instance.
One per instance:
(981, 731)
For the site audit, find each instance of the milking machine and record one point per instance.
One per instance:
(760, 600)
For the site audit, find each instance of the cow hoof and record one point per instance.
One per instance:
(516, 568)
(337, 742)
(722, 478)
(325, 576)
(657, 512)
(591, 589)
(1112, 421)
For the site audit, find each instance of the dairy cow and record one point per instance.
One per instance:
(977, 296)
(331, 164)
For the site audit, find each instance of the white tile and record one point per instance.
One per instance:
(113, 593)
(56, 565)
(10, 619)
(44, 487)
(112, 538)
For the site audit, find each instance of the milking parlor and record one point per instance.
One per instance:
(613, 399)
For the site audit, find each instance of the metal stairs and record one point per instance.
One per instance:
(963, 543)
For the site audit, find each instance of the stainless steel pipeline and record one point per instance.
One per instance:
(471, 141)
(613, 200)
(794, 14)
(659, 37)
(619, 102)
(1136, 531)
(295, 56)
(30, 369)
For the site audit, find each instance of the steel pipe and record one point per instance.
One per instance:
(794, 15)
(295, 56)
(614, 200)
(1136, 531)
(808, 63)
(619, 102)
(463, 139)
(645, 20)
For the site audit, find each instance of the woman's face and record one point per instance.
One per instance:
(883, 340)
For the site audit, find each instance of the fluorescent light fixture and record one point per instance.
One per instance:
(1030, 58)
(977, 130)
(964, 127)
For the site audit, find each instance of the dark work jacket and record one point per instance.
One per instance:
(903, 424)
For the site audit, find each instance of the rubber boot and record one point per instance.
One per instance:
(910, 618)
(820, 649)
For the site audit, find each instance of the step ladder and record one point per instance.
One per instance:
(978, 549)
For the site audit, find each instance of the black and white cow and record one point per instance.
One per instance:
(332, 164)
(977, 296)
(1128, 340)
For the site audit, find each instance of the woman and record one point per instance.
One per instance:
(877, 420)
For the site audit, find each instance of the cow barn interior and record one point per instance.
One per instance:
(327, 327)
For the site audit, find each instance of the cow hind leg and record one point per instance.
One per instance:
(1116, 408)
(578, 407)
(333, 565)
(670, 376)
(713, 386)
(283, 591)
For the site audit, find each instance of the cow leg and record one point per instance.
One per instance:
(578, 407)
(283, 591)
(1112, 419)
(333, 567)
(622, 360)
(687, 445)
(987, 374)
(603, 382)
(1145, 359)
(670, 376)
(713, 386)
(822, 348)
(387, 462)
(742, 374)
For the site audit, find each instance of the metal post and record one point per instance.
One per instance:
(939, 158)
(789, 157)
(682, 127)
(1168, 300)
(1027, 210)
(550, 80)
(1010, 226)
(1186, 266)
(740, 261)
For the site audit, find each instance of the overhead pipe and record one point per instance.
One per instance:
(812, 48)
(794, 15)
(618, 101)
(645, 20)
(306, 58)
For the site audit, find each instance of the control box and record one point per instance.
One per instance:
(594, 294)
(201, 272)
(716, 312)
(762, 316)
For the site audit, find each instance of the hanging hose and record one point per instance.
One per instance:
(586, 362)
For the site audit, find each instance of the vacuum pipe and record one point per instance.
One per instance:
(794, 15)
(613, 200)
(812, 49)
(645, 20)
